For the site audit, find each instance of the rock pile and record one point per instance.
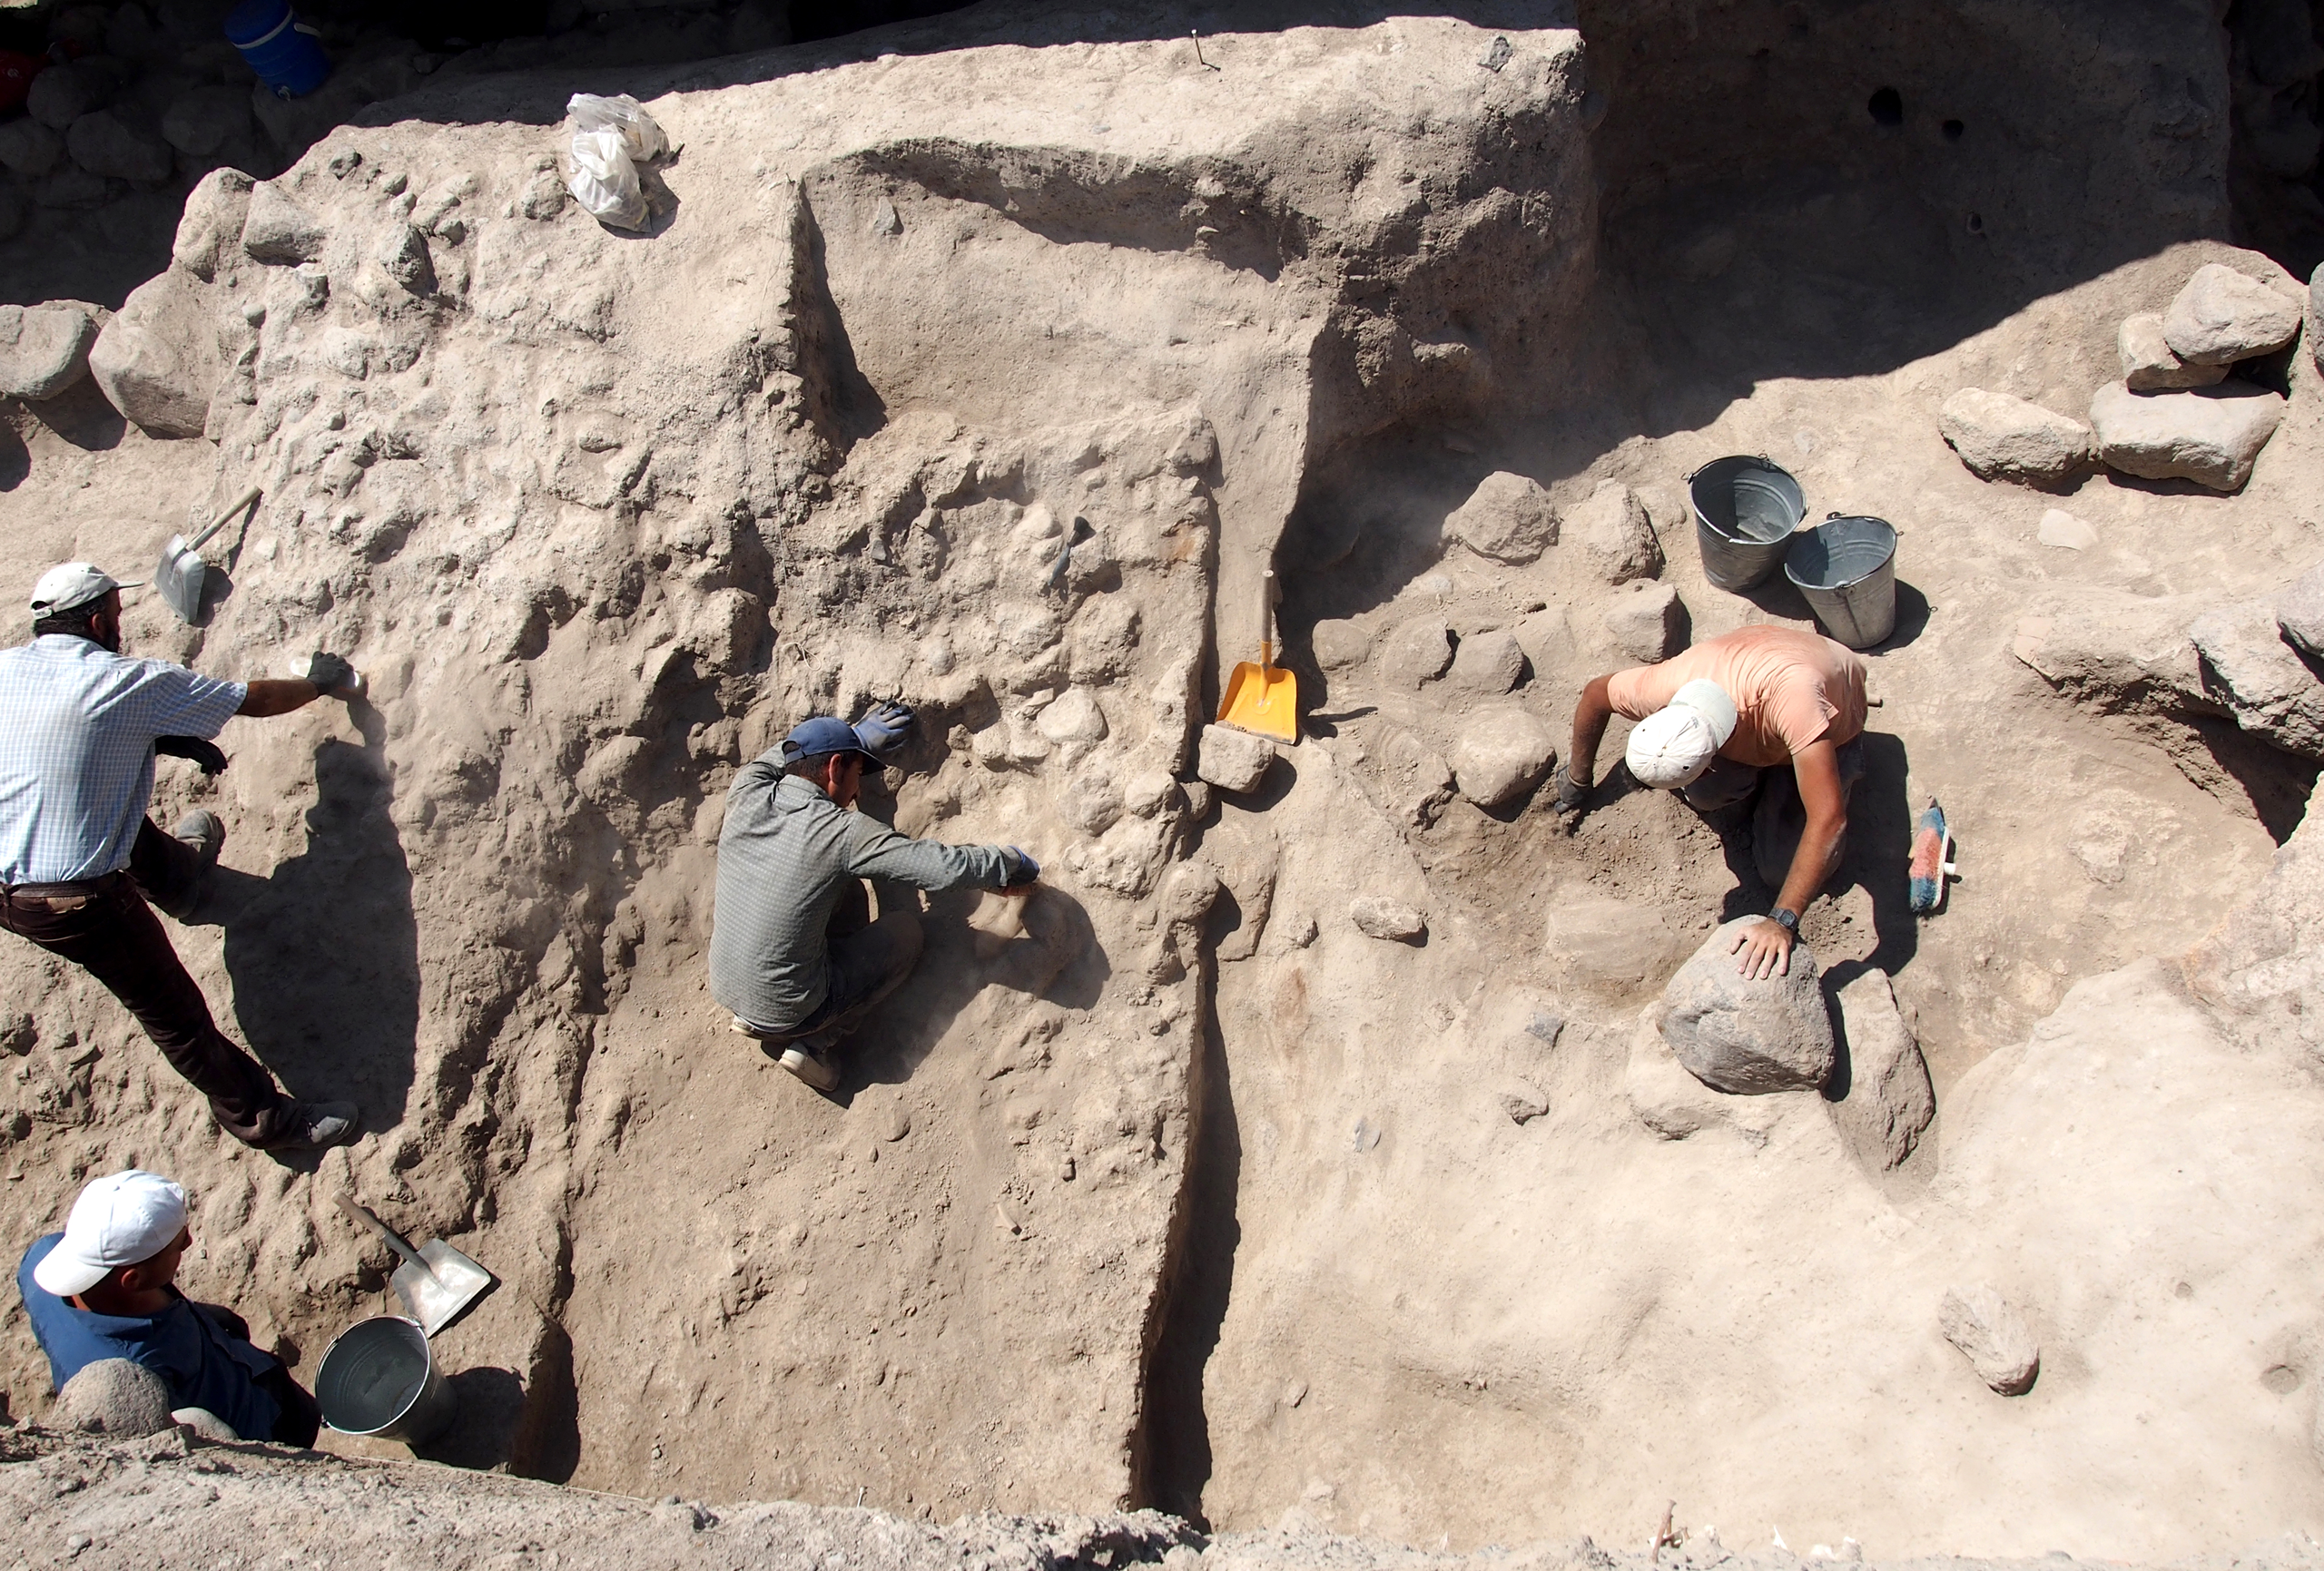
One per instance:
(2175, 415)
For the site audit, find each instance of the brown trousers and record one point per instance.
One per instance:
(104, 927)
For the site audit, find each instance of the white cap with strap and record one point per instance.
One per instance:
(71, 584)
(119, 1220)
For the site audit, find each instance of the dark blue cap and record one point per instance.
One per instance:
(819, 737)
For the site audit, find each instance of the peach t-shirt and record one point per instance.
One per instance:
(1789, 688)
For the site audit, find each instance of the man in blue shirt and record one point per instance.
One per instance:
(79, 725)
(104, 1288)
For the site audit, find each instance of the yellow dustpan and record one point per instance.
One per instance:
(1263, 698)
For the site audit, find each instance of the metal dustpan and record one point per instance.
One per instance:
(182, 569)
(1263, 698)
(435, 1282)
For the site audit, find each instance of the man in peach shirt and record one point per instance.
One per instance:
(1709, 721)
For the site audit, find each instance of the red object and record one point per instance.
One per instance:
(16, 74)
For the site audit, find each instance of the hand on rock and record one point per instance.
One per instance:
(1574, 798)
(1022, 872)
(1766, 947)
(333, 675)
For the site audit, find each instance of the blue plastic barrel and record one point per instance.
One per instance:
(282, 49)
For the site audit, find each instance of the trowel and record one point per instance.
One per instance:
(181, 570)
(1263, 698)
(435, 1282)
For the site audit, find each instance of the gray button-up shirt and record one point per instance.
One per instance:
(784, 858)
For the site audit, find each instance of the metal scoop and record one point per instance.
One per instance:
(435, 1282)
(181, 570)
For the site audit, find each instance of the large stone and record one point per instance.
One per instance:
(29, 148)
(1234, 760)
(1377, 916)
(402, 255)
(278, 230)
(1749, 1036)
(2222, 315)
(1488, 662)
(2210, 435)
(63, 93)
(114, 1396)
(1647, 622)
(1338, 645)
(2260, 680)
(1503, 752)
(2299, 611)
(1890, 1101)
(1507, 518)
(2115, 653)
(1416, 652)
(2149, 366)
(1408, 780)
(1614, 529)
(43, 350)
(157, 360)
(215, 210)
(201, 120)
(2003, 437)
(104, 144)
(1993, 1337)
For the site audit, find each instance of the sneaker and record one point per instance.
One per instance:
(202, 832)
(813, 1067)
(316, 1126)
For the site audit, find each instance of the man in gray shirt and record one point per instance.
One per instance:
(793, 951)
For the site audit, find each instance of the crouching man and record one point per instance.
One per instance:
(104, 1288)
(794, 953)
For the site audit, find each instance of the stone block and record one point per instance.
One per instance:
(1503, 754)
(2002, 437)
(1507, 518)
(1647, 622)
(1993, 1337)
(2249, 670)
(2148, 365)
(1337, 645)
(29, 148)
(1489, 663)
(1377, 916)
(157, 359)
(43, 350)
(104, 144)
(1416, 653)
(1614, 529)
(2212, 436)
(1749, 1036)
(114, 1396)
(2222, 316)
(1234, 760)
(1890, 1102)
(279, 232)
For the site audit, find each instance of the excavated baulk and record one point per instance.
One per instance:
(601, 515)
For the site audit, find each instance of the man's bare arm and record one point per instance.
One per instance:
(1765, 944)
(1591, 715)
(278, 695)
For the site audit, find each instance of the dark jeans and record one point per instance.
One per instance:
(869, 960)
(106, 928)
(1780, 818)
(301, 1416)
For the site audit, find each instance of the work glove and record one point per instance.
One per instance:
(205, 754)
(1018, 868)
(882, 730)
(333, 674)
(1572, 796)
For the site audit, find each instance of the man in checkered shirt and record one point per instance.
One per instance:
(79, 723)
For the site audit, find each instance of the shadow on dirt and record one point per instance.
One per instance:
(324, 951)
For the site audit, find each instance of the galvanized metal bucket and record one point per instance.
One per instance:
(379, 1378)
(1847, 569)
(1745, 511)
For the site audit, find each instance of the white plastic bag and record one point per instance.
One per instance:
(588, 112)
(611, 137)
(605, 182)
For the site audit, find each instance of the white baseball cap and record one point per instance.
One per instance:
(119, 1220)
(71, 584)
(1674, 744)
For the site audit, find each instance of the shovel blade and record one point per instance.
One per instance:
(441, 1287)
(1263, 700)
(179, 578)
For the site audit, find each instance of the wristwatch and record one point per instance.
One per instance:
(1787, 920)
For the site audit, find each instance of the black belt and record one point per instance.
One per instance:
(83, 889)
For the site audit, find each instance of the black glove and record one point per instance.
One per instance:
(329, 673)
(1572, 796)
(203, 753)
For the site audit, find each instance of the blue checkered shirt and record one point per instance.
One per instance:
(77, 724)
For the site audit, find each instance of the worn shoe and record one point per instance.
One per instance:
(202, 832)
(317, 1126)
(815, 1068)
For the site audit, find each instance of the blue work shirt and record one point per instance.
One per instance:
(78, 726)
(203, 1367)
